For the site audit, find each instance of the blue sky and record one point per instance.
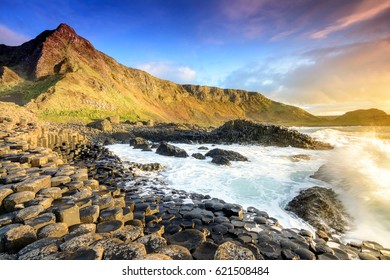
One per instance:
(325, 56)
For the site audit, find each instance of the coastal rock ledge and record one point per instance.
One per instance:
(65, 198)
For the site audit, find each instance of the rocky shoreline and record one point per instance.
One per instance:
(64, 197)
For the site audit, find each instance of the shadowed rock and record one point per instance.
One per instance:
(189, 238)
(166, 149)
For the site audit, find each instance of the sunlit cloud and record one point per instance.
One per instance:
(170, 71)
(10, 37)
(367, 10)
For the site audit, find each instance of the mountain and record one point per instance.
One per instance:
(64, 78)
(370, 117)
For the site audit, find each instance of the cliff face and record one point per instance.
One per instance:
(64, 78)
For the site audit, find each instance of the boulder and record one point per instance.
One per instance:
(166, 149)
(231, 251)
(54, 192)
(321, 208)
(4, 193)
(95, 253)
(111, 214)
(80, 241)
(229, 155)
(206, 251)
(103, 125)
(221, 160)
(109, 226)
(198, 156)
(139, 143)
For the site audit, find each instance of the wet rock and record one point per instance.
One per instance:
(17, 198)
(176, 252)
(221, 160)
(55, 230)
(206, 251)
(203, 148)
(166, 149)
(152, 242)
(139, 143)
(289, 255)
(226, 154)
(80, 241)
(299, 157)
(109, 226)
(305, 254)
(28, 213)
(321, 208)
(232, 251)
(322, 234)
(198, 156)
(189, 238)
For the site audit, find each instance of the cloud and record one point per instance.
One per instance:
(349, 77)
(367, 9)
(170, 71)
(11, 38)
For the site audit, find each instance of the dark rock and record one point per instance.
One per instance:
(203, 148)
(121, 251)
(139, 143)
(109, 226)
(220, 160)
(198, 156)
(41, 221)
(88, 254)
(289, 255)
(166, 149)
(38, 245)
(111, 214)
(18, 237)
(17, 198)
(205, 251)
(321, 208)
(327, 256)
(189, 238)
(28, 213)
(232, 251)
(226, 154)
(89, 214)
(305, 254)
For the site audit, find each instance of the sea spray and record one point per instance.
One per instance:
(359, 171)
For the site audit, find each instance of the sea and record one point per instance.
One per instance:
(359, 168)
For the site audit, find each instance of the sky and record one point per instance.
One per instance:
(327, 57)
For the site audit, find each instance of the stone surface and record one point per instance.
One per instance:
(55, 230)
(28, 213)
(77, 242)
(198, 156)
(129, 233)
(166, 149)
(226, 154)
(109, 226)
(176, 252)
(60, 180)
(54, 192)
(231, 251)
(189, 238)
(88, 254)
(89, 214)
(18, 237)
(41, 220)
(152, 242)
(321, 208)
(68, 214)
(17, 198)
(34, 184)
(155, 257)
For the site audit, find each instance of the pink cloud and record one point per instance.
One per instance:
(365, 11)
(10, 37)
